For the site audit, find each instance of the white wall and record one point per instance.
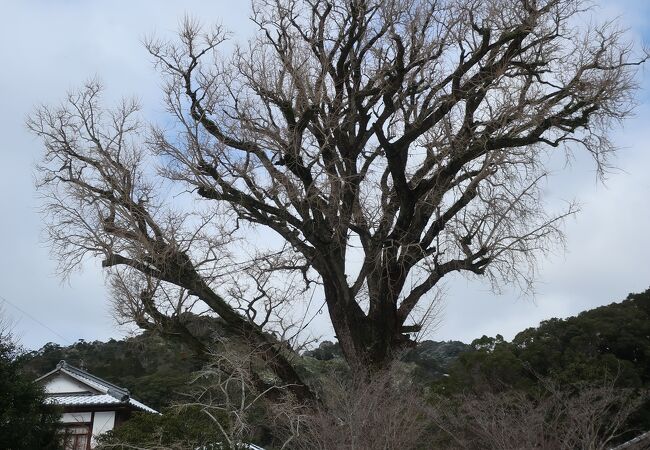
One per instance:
(62, 383)
(104, 421)
(81, 417)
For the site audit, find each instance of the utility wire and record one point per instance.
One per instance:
(4, 299)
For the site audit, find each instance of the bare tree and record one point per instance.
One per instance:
(227, 392)
(8, 342)
(384, 143)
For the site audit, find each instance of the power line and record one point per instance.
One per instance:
(25, 313)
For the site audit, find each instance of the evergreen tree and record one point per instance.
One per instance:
(26, 423)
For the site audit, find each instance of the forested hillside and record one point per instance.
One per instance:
(601, 348)
(610, 341)
(156, 370)
(605, 347)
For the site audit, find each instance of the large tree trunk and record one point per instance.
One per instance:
(368, 342)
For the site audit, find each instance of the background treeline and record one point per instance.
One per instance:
(609, 345)
(611, 341)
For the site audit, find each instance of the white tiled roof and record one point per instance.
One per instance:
(110, 394)
(142, 406)
(633, 443)
(219, 446)
(72, 400)
(99, 399)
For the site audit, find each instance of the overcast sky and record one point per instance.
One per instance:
(50, 46)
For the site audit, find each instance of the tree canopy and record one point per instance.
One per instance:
(383, 144)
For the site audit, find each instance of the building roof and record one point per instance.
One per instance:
(639, 442)
(102, 392)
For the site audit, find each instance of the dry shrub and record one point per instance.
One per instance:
(388, 411)
(383, 412)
